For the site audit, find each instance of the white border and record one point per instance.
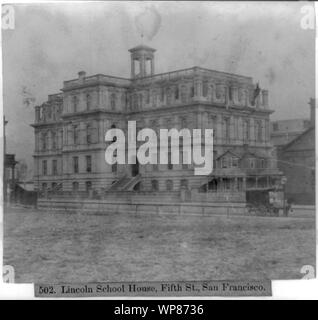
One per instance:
(282, 289)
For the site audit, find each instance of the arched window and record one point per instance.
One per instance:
(88, 101)
(75, 186)
(169, 185)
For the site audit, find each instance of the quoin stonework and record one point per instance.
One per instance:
(70, 135)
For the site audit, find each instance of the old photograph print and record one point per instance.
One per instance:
(158, 141)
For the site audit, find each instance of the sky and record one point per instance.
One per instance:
(51, 43)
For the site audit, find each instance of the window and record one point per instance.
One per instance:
(53, 140)
(184, 183)
(246, 131)
(234, 162)
(162, 94)
(154, 185)
(88, 164)
(169, 185)
(75, 134)
(170, 165)
(114, 168)
(263, 163)
(148, 96)
(205, 89)
(258, 129)
(231, 93)
(184, 123)
(113, 101)
(75, 164)
(183, 94)
(54, 185)
(252, 163)
(44, 186)
(192, 91)
(88, 101)
(43, 140)
(155, 167)
(212, 123)
(227, 128)
(54, 167)
(75, 104)
(75, 186)
(224, 162)
(88, 134)
(88, 186)
(44, 167)
(176, 93)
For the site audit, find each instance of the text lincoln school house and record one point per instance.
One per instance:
(69, 157)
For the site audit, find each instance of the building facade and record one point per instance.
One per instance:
(70, 130)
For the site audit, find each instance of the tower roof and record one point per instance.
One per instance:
(141, 47)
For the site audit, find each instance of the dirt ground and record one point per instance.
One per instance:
(59, 247)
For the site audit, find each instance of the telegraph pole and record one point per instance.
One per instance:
(4, 162)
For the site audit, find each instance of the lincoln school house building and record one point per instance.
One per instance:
(69, 159)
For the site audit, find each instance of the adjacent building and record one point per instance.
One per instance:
(284, 131)
(296, 160)
(70, 131)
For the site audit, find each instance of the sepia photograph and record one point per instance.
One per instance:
(158, 141)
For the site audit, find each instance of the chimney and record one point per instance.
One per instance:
(81, 75)
(312, 104)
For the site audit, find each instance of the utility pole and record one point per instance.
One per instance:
(4, 162)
